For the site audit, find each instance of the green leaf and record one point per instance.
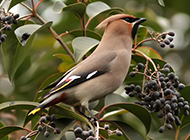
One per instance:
(63, 124)
(127, 130)
(67, 62)
(4, 131)
(137, 110)
(95, 8)
(150, 52)
(18, 105)
(82, 45)
(89, 33)
(94, 21)
(67, 113)
(141, 34)
(184, 132)
(58, 6)
(6, 137)
(14, 2)
(77, 8)
(13, 52)
(161, 2)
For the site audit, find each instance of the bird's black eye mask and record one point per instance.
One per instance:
(136, 22)
(130, 19)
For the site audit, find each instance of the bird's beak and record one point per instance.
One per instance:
(140, 20)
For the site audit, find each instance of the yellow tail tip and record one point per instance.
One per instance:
(34, 111)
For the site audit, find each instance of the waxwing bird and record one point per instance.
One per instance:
(102, 72)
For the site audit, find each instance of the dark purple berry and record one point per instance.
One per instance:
(186, 107)
(160, 115)
(180, 104)
(162, 44)
(43, 119)
(161, 129)
(85, 133)
(23, 138)
(167, 66)
(171, 33)
(53, 124)
(3, 37)
(169, 126)
(167, 107)
(79, 138)
(132, 86)
(78, 130)
(53, 117)
(25, 36)
(171, 46)
(48, 117)
(140, 66)
(138, 88)
(181, 86)
(15, 21)
(131, 94)
(119, 133)
(106, 126)
(40, 128)
(166, 70)
(166, 41)
(91, 132)
(132, 74)
(186, 112)
(91, 138)
(171, 76)
(46, 134)
(163, 36)
(170, 39)
(9, 27)
(58, 131)
(177, 120)
(16, 16)
(181, 99)
(127, 88)
(170, 117)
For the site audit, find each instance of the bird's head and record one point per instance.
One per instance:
(121, 21)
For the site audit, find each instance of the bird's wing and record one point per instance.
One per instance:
(82, 73)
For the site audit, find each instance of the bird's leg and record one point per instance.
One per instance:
(85, 107)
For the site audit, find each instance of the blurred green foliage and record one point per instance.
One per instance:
(46, 56)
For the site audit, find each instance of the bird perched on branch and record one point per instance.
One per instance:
(102, 72)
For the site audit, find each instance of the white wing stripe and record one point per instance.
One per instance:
(91, 74)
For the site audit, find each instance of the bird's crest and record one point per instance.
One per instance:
(105, 22)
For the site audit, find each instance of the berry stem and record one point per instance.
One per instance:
(33, 7)
(146, 57)
(178, 129)
(38, 4)
(97, 130)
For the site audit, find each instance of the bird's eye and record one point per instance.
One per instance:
(130, 19)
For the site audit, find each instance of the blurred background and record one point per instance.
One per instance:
(41, 62)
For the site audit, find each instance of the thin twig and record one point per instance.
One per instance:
(97, 130)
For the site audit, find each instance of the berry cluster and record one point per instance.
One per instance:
(6, 21)
(48, 122)
(81, 134)
(160, 93)
(167, 41)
